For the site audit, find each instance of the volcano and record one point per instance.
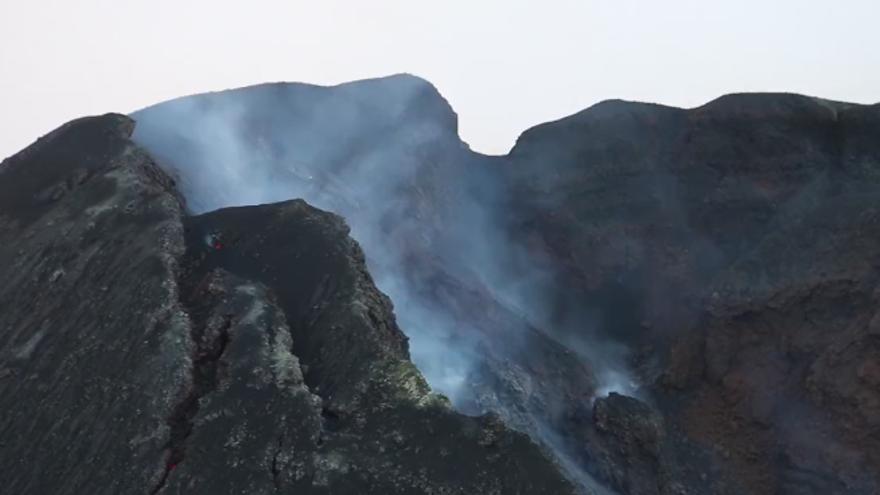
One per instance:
(291, 288)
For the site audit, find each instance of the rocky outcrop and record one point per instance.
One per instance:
(638, 434)
(245, 350)
(375, 425)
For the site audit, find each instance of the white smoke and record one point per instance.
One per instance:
(386, 156)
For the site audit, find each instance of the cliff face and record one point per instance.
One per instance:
(662, 300)
(246, 350)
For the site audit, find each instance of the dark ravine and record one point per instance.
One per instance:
(724, 258)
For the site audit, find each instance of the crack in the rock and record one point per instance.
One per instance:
(204, 381)
(276, 471)
(161, 484)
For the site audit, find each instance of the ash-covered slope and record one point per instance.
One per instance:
(242, 351)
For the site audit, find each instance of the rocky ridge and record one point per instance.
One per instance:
(143, 352)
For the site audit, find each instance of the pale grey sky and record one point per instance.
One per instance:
(504, 65)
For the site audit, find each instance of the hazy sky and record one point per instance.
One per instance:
(504, 65)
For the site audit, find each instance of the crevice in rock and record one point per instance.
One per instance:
(329, 420)
(209, 350)
(161, 484)
(275, 469)
(330, 423)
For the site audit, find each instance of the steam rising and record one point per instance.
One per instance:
(428, 212)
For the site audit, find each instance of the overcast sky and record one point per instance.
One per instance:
(504, 65)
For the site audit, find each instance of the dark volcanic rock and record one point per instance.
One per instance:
(725, 258)
(95, 344)
(383, 431)
(635, 435)
(742, 235)
(243, 351)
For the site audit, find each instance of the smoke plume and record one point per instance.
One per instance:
(428, 212)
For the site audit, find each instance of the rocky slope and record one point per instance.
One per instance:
(742, 237)
(242, 351)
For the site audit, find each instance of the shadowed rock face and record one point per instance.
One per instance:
(246, 350)
(744, 235)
